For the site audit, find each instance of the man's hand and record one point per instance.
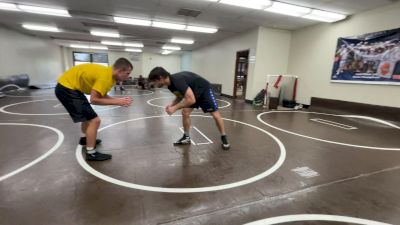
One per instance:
(170, 109)
(125, 101)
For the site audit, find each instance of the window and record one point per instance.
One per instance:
(86, 57)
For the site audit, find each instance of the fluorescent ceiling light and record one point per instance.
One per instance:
(173, 26)
(44, 11)
(182, 41)
(253, 4)
(324, 16)
(99, 47)
(132, 21)
(40, 27)
(102, 33)
(79, 46)
(202, 29)
(8, 6)
(170, 47)
(133, 50)
(132, 44)
(116, 43)
(288, 9)
(166, 52)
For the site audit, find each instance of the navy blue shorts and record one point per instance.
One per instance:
(76, 103)
(206, 102)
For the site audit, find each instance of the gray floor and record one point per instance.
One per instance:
(282, 163)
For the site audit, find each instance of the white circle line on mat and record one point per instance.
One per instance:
(37, 160)
(327, 141)
(3, 109)
(262, 175)
(314, 217)
(160, 106)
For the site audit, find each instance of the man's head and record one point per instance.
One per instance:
(121, 69)
(159, 76)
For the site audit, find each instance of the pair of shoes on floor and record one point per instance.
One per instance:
(94, 156)
(185, 140)
(82, 141)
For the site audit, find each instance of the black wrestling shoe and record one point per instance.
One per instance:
(185, 140)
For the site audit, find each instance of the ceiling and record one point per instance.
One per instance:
(230, 20)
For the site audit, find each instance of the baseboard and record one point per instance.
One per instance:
(338, 106)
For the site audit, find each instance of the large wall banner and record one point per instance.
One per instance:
(370, 59)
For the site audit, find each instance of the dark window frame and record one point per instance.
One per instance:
(91, 57)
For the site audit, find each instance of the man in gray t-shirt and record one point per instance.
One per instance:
(191, 91)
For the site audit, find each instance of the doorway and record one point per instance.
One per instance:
(241, 71)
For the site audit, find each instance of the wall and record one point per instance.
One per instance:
(40, 59)
(216, 62)
(186, 61)
(273, 48)
(172, 63)
(312, 54)
(142, 63)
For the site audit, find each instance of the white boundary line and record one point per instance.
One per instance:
(2, 109)
(327, 141)
(49, 152)
(275, 167)
(208, 139)
(160, 106)
(315, 217)
(334, 124)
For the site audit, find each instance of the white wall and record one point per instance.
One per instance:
(40, 59)
(186, 61)
(216, 62)
(273, 48)
(172, 63)
(312, 54)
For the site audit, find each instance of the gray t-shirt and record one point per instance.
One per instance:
(182, 80)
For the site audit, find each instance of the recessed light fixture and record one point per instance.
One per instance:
(201, 29)
(104, 33)
(78, 46)
(44, 10)
(133, 50)
(253, 4)
(182, 41)
(98, 47)
(324, 16)
(115, 43)
(133, 44)
(8, 6)
(173, 26)
(166, 52)
(288, 9)
(130, 21)
(170, 47)
(40, 27)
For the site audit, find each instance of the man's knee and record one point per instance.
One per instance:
(95, 121)
(186, 112)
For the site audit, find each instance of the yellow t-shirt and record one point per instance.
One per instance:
(86, 77)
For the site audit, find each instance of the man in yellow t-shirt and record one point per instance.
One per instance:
(94, 80)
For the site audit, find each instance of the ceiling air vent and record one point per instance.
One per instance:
(188, 12)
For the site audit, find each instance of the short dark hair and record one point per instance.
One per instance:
(123, 64)
(157, 73)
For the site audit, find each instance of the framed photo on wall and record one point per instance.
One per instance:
(372, 58)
